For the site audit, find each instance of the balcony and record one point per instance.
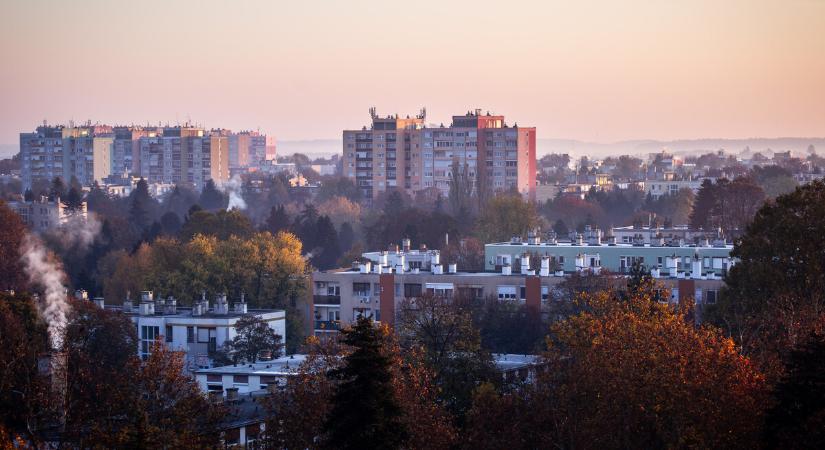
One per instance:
(326, 299)
(327, 325)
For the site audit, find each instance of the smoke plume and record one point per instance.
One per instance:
(233, 189)
(45, 273)
(77, 233)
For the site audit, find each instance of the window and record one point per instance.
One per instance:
(240, 379)
(412, 290)
(148, 334)
(711, 296)
(214, 378)
(361, 289)
(168, 333)
(190, 334)
(506, 292)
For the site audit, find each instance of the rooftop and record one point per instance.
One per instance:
(284, 366)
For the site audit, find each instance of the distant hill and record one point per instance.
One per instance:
(798, 146)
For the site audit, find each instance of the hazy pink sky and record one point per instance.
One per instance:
(600, 71)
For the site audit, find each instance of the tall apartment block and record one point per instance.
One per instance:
(66, 152)
(247, 149)
(184, 155)
(404, 153)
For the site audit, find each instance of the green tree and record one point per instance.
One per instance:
(797, 419)
(704, 206)
(254, 336)
(775, 294)
(461, 190)
(506, 216)
(12, 233)
(211, 198)
(365, 410)
(451, 343)
(221, 224)
(278, 220)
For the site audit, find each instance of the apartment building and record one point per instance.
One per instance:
(66, 152)
(184, 155)
(43, 214)
(197, 330)
(378, 287)
(126, 149)
(404, 153)
(706, 259)
(247, 149)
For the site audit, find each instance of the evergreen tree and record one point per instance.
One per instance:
(365, 411)
(74, 200)
(57, 189)
(704, 206)
(170, 223)
(139, 213)
(560, 228)
(327, 239)
(211, 198)
(28, 195)
(798, 418)
(278, 220)
(346, 237)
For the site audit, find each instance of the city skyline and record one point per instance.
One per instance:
(631, 70)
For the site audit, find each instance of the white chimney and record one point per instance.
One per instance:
(171, 305)
(366, 267)
(405, 244)
(127, 304)
(435, 257)
(544, 270)
(221, 305)
(452, 268)
(580, 262)
(525, 264)
(671, 265)
(100, 302)
(655, 273)
(379, 269)
(438, 269)
(696, 273)
(383, 259)
(506, 270)
(579, 239)
(240, 307)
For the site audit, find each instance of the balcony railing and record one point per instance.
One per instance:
(327, 325)
(326, 299)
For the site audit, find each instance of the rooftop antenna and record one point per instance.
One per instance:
(373, 112)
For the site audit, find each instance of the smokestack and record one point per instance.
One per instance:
(240, 307)
(147, 305)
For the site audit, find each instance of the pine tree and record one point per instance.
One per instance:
(346, 237)
(212, 199)
(139, 211)
(798, 418)
(74, 200)
(327, 239)
(278, 220)
(704, 207)
(365, 411)
(57, 189)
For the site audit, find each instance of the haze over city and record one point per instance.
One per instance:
(429, 225)
(591, 71)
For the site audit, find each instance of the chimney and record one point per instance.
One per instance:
(231, 395)
(147, 304)
(240, 307)
(579, 239)
(452, 268)
(580, 262)
(405, 244)
(221, 305)
(171, 305)
(696, 272)
(127, 304)
(100, 302)
(544, 271)
(506, 269)
(671, 265)
(81, 294)
(525, 263)
(438, 269)
(435, 257)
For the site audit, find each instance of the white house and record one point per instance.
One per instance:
(197, 330)
(252, 377)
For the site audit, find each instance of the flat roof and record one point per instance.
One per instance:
(186, 313)
(283, 366)
(620, 245)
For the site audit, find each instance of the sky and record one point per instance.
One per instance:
(594, 71)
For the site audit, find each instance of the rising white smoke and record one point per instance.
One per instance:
(233, 189)
(47, 275)
(77, 233)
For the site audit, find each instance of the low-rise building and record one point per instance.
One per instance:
(250, 377)
(42, 214)
(528, 273)
(198, 330)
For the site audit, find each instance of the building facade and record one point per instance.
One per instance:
(378, 288)
(404, 153)
(197, 331)
(44, 214)
(67, 152)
